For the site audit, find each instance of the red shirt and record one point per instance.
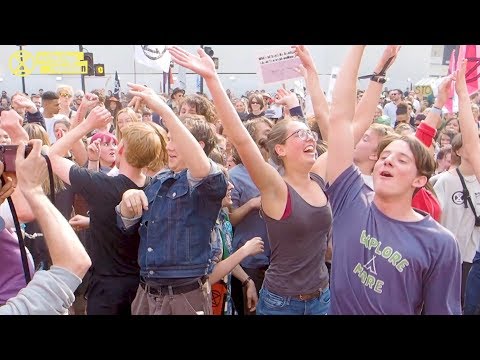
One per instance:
(424, 199)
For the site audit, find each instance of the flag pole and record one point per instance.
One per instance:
(201, 78)
(134, 67)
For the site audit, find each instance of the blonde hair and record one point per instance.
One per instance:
(67, 88)
(145, 146)
(36, 131)
(402, 127)
(133, 116)
(277, 136)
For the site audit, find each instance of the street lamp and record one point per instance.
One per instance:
(201, 79)
(82, 77)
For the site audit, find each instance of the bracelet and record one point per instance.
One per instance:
(436, 110)
(93, 160)
(245, 282)
(378, 78)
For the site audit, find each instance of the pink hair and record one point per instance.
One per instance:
(104, 137)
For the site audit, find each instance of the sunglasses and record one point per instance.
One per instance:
(65, 95)
(254, 102)
(303, 135)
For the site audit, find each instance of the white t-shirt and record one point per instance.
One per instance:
(49, 122)
(455, 217)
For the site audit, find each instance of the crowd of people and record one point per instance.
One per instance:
(260, 204)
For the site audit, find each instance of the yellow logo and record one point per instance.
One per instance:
(23, 63)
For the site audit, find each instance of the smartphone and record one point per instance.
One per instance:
(8, 154)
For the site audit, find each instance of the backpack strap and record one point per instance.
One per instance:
(466, 194)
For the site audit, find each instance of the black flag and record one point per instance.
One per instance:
(116, 91)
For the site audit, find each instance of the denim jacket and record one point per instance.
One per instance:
(175, 230)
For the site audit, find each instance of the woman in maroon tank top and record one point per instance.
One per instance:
(297, 279)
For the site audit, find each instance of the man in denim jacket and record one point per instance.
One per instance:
(176, 214)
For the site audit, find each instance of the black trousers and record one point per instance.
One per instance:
(111, 295)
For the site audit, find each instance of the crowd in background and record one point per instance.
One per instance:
(258, 203)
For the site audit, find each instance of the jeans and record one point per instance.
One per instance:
(472, 291)
(273, 304)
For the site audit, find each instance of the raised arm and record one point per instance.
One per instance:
(428, 128)
(64, 247)
(319, 101)
(366, 107)
(197, 162)
(49, 292)
(341, 142)
(470, 140)
(97, 118)
(265, 177)
(32, 114)
(11, 122)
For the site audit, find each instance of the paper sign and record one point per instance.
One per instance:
(277, 65)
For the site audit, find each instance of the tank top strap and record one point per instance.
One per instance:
(319, 180)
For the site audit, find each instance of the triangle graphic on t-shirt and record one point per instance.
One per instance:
(370, 265)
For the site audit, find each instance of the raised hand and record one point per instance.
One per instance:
(302, 71)
(305, 57)
(89, 101)
(202, 64)
(98, 118)
(93, 150)
(459, 76)
(135, 103)
(443, 90)
(391, 51)
(10, 120)
(142, 94)
(24, 102)
(31, 170)
(287, 98)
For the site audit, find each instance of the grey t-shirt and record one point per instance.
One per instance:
(49, 293)
(385, 266)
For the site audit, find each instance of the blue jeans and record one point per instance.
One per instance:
(472, 289)
(273, 304)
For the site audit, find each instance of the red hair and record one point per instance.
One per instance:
(104, 137)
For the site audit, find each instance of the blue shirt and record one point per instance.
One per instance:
(385, 266)
(252, 225)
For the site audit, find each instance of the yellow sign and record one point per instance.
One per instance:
(23, 63)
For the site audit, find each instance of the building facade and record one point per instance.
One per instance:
(236, 65)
